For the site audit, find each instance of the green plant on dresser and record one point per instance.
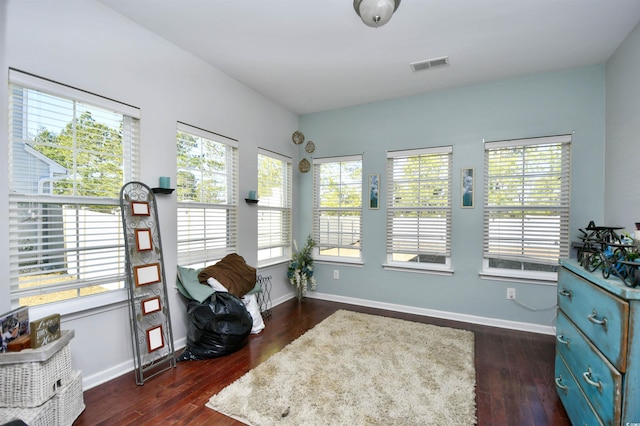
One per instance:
(597, 348)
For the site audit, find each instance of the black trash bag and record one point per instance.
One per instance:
(218, 326)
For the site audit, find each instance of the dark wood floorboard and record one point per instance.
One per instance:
(514, 375)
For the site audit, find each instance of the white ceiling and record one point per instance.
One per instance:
(317, 55)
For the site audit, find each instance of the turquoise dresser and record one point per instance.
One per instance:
(597, 348)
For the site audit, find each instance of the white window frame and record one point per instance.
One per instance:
(549, 240)
(93, 240)
(337, 240)
(274, 210)
(207, 230)
(435, 210)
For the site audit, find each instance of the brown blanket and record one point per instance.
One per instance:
(233, 273)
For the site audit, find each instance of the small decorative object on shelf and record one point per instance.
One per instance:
(164, 182)
(252, 199)
(300, 272)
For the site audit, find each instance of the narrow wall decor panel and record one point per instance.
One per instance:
(151, 333)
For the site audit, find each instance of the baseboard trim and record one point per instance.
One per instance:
(123, 368)
(104, 376)
(473, 319)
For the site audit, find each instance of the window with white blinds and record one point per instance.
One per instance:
(419, 208)
(337, 212)
(207, 184)
(526, 205)
(274, 209)
(70, 153)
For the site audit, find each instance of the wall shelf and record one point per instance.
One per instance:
(251, 201)
(162, 190)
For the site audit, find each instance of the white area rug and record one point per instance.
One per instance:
(360, 369)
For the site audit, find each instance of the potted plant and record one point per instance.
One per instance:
(300, 272)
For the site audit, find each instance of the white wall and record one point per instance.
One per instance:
(622, 177)
(84, 44)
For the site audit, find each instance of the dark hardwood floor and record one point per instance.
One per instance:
(514, 375)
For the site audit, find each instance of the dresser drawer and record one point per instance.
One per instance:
(600, 381)
(601, 316)
(578, 409)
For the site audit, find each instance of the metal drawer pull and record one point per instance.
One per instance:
(589, 379)
(566, 293)
(563, 340)
(594, 319)
(561, 385)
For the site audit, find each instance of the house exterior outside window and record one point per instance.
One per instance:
(70, 154)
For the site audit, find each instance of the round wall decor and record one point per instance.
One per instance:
(304, 166)
(310, 147)
(297, 137)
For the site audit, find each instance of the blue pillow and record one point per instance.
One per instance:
(189, 286)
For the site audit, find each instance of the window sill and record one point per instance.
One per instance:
(338, 261)
(433, 270)
(549, 278)
(272, 264)
(82, 307)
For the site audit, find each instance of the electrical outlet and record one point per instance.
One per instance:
(511, 293)
(336, 274)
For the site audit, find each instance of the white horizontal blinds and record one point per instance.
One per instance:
(70, 153)
(23, 79)
(527, 197)
(338, 206)
(419, 204)
(206, 188)
(274, 209)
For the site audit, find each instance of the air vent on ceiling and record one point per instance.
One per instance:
(430, 63)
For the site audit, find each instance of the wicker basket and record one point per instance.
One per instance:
(31, 377)
(69, 401)
(43, 415)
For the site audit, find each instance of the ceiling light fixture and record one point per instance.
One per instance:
(375, 13)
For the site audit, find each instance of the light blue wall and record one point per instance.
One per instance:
(539, 105)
